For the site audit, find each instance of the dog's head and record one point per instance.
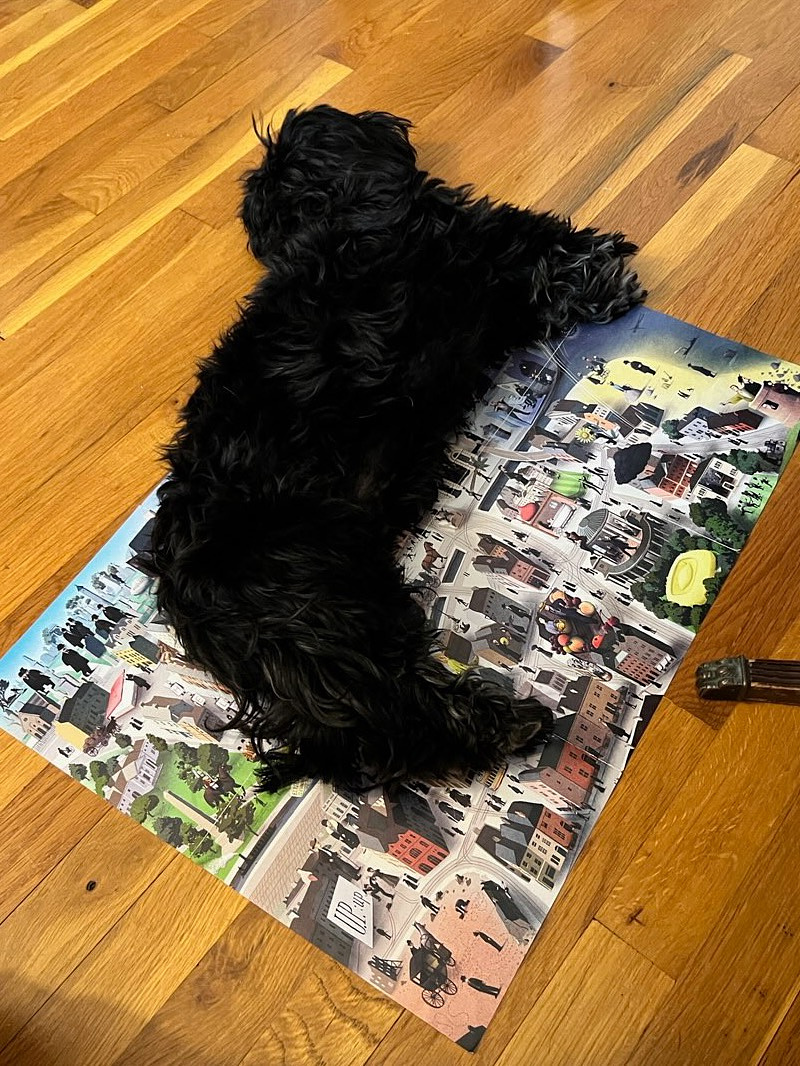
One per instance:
(329, 176)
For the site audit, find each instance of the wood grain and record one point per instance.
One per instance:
(124, 127)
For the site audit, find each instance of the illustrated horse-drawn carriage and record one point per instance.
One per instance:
(428, 968)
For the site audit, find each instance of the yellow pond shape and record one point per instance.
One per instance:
(686, 576)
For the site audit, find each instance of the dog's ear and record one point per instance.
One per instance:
(330, 176)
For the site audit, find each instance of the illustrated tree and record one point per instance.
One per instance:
(170, 829)
(749, 462)
(98, 771)
(143, 806)
(78, 771)
(670, 427)
(158, 742)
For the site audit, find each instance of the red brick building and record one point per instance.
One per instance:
(417, 852)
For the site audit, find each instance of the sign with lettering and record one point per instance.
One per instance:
(351, 910)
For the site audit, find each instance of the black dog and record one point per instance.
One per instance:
(318, 432)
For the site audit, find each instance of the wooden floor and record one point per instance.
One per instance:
(124, 126)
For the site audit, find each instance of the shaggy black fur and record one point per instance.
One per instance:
(318, 432)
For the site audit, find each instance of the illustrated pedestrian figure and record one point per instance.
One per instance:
(390, 879)
(450, 811)
(461, 907)
(488, 940)
(460, 797)
(382, 932)
(641, 367)
(115, 614)
(462, 602)
(430, 905)
(481, 986)
(702, 370)
(412, 882)
(378, 890)
(103, 626)
(77, 662)
(65, 752)
(685, 348)
(36, 680)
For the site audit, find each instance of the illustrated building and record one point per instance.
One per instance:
(715, 478)
(550, 513)
(593, 700)
(565, 772)
(669, 475)
(735, 421)
(778, 401)
(696, 424)
(321, 872)
(590, 735)
(199, 721)
(498, 558)
(498, 608)
(637, 421)
(641, 657)
(532, 838)
(499, 644)
(624, 546)
(137, 775)
(36, 717)
(82, 713)
(404, 826)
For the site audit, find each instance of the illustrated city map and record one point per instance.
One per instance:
(591, 513)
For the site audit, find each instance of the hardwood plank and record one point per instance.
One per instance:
(251, 34)
(233, 980)
(64, 267)
(667, 183)
(97, 100)
(569, 1023)
(747, 173)
(443, 61)
(79, 315)
(35, 30)
(759, 239)
(688, 107)
(18, 767)
(218, 16)
(46, 179)
(568, 20)
(732, 1020)
(378, 22)
(772, 320)
(184, 316)
(43, 822)
(333, 1017)
(249, 88)
(440, 133)
(35, 233)
(134, 969)
(12, 10)
(221, 199)
(708, 827)
(116, 30)
(784, 1047)
(779, 133)
(62, 920)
